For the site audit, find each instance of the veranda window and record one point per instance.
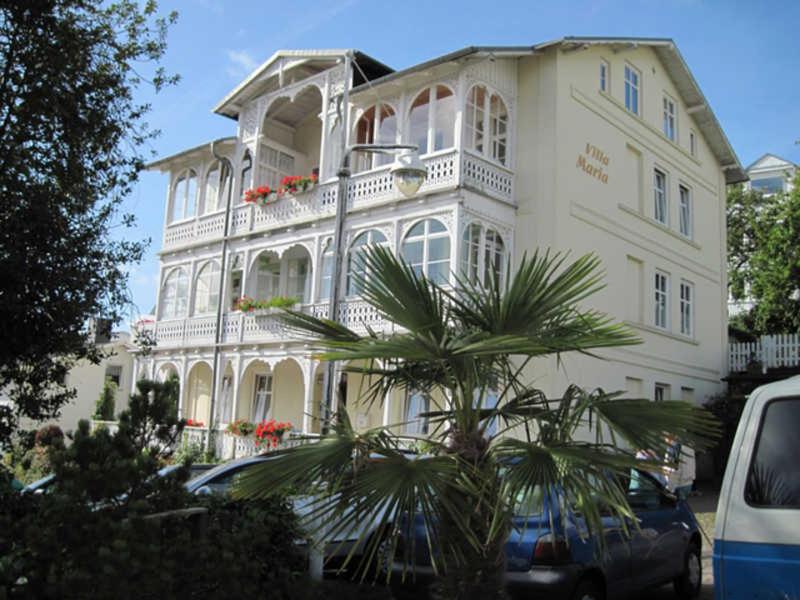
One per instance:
(356, 269)
(427, 249)
(432, 119)
(487, 124)
(175, 294)
(378, 125)
(206, 293)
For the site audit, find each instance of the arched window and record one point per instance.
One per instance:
(486, 120)
(298, 270)
(356, 269)
(175, 294)
(246, 176)
(184, 197)
(432, 119)
(427, 249)
(217, 182)
(482, 253)
(378, 125)
(268, 276)
(326, 272)
(206, 289)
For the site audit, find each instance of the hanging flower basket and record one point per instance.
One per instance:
(270, 433)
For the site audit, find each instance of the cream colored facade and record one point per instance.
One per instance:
(524, 150)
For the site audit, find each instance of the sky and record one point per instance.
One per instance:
(744, 56)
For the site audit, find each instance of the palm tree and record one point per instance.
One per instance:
(494, 438)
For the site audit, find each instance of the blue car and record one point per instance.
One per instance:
(560, 564)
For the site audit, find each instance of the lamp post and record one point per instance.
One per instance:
(408, 173)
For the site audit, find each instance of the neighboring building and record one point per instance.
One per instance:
(771, 174)
(581, 144)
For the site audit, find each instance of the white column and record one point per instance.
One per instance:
(323, 116)
(183, 395)
(309, 368)
(237, 375)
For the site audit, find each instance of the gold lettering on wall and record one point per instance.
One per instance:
(593, 162)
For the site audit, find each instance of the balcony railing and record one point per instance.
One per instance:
(446, 170)
(260, 326)
(768, 352)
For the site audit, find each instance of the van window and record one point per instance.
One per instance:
(774, 479)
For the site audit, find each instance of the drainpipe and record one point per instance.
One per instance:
(329, 376)
(225, 165)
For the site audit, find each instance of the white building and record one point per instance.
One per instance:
(587, 145)
(771, 174)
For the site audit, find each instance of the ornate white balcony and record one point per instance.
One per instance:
(446, 170)
(260, 326)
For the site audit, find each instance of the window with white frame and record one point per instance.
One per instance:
(268, 276)
(692, 143)
(377, 125)
(687, 308)
(357, 270)
(432, 118)
(216, 190)
(417, 403)
(604, 76)
(262, 397)
(669, 117)
(685, 211)
(206, 289)
(632, 88)
(482, 253)
(660, 208)
(297, 279)
(326, 271)
(426, 248)
(246, 173)
(175, 294)
(184, 197)
(486, 112)
(273, 166)
(661, 392)
(661, 316)
(236, 278)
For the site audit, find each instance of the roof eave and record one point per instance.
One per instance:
(164, 164)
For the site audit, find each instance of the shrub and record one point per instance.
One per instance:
(104, 409)
(49, 436)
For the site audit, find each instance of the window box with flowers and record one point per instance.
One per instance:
(270, 433)
(292, 185)
(194, 423)
(265, 307)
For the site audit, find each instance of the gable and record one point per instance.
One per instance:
(770, 162)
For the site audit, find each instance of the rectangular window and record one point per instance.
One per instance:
(687, 308)
(632, 78)
(685, 211)
(669, 118)
(262, 397)
(687, 394)
(774, 479)
(692, 143)
(660, 196)
(274, 165)
(768, 185)
(416, 404)
(661, 392)
(114, 373)
(661, 316)
(603, 76)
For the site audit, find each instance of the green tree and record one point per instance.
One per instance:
(71, 145)
(764, 259)
(104, 407)
(460, 345)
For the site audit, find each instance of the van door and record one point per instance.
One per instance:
(757, 550)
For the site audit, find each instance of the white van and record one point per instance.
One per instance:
(757, 535)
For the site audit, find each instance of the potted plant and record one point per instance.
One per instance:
(241, 428)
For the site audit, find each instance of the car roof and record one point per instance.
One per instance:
(202, 478)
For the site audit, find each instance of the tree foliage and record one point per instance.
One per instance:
(71, 145)
(496, 438)
(764, 259)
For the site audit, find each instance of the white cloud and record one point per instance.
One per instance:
(240, 64)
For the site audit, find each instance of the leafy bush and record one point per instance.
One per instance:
(104, 408)
(191, 453)
(49, 436)
(110, 524)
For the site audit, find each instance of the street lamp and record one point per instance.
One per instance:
(408, 173)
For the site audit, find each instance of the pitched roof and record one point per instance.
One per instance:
(665, 49)
(768, 162)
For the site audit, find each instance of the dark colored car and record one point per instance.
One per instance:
(544, 563)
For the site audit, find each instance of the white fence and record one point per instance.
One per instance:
(768, 352)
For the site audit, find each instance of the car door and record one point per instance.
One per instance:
(659, 544)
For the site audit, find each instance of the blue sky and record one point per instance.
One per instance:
(743, 54)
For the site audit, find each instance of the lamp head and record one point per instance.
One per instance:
(408, 172)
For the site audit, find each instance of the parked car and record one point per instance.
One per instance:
(541, 562)
(757, 534)
(41, 486)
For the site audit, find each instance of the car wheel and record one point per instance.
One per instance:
(687, 586)
(588, 589)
